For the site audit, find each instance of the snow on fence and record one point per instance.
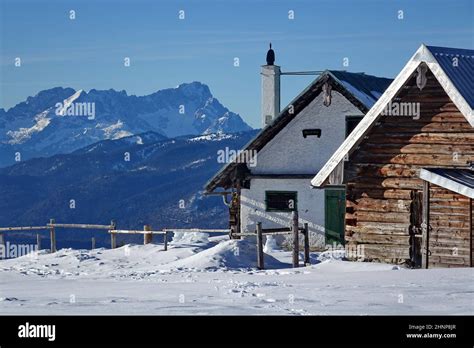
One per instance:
(148, 233)
(111, 229)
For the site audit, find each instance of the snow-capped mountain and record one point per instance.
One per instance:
(61, 120)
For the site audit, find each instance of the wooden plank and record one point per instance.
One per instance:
(379, 228)
(423, 138)
(373, 238)
(386, 251)
(354, 192)
(380, 216)
(419, 149)
(389, 183)
(380, 205)
(412, 159)
(410, 127)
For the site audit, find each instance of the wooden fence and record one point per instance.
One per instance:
(148, 233)
(295, 230)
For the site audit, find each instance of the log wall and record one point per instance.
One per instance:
(382, 180)
(451, 229)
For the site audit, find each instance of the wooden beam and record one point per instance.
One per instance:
(280, 176)
(260, 263)
(52, 236)
(165, 241)
(147, 237)
(113, 236)
(425, 227)
(307, 261)
(295, 239)
(279, 229)
(471, 233)
(87, 226)
(24, 228)
(191, 230)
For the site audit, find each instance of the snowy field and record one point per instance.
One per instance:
(216, 276)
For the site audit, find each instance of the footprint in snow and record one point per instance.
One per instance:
(8, 299)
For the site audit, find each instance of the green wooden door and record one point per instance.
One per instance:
(335, 209)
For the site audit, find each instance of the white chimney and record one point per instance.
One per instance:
(270, 89)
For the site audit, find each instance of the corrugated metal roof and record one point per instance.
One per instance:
(461, 73)
(460, 180)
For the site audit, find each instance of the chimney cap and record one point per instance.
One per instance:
(270, 56)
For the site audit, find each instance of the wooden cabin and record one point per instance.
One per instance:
(291, 147)
(391, 212)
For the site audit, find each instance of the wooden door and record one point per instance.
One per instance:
(416, 221)
(335, 208)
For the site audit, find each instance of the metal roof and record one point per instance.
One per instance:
(460, 180)
(460, 71)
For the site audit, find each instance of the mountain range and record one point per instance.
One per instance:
(62, 120)
(90, 157)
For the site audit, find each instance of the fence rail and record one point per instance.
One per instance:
(23, 228)
(148, 233)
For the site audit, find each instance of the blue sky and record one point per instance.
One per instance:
(89, 52)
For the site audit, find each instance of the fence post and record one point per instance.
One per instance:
(52, 235)
(307, 262)
(260, 264)
(166, 240)
(147, 237)
(295, 239)
(93, 243)
(38, 242)
(113, 236)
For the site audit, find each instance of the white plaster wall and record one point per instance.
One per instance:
(310, 205)
(289, 153)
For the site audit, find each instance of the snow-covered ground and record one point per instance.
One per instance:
(214, 276)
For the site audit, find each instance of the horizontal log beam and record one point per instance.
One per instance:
(24, 228)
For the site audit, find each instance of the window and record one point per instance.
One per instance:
(351, 123)
(281, 200)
